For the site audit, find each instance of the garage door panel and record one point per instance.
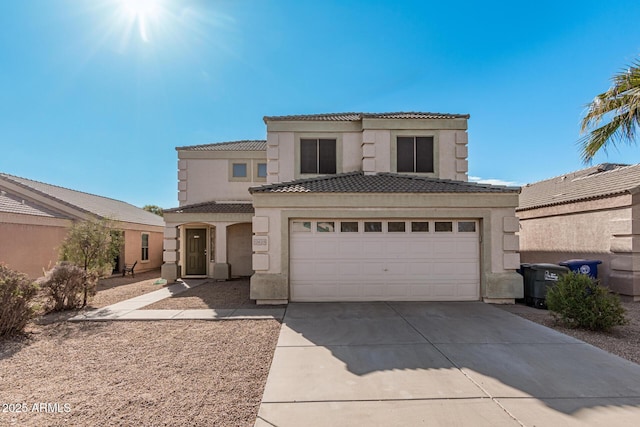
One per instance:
(396, 247)
(420, 248)
(377, 266)
(348, 248)
(349, 269)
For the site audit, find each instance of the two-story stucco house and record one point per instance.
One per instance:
(345, 207)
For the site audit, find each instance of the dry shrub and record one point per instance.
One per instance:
(68, 286)
(16, 293)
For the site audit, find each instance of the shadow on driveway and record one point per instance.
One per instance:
(353, 353)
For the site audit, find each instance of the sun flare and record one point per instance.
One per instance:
(143, 14)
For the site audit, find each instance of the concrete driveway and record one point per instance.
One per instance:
(439, 364)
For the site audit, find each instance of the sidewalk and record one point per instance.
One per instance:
(130, 309)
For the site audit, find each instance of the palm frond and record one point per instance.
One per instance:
(620, 106)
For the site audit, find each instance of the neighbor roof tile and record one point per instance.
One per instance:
(603, 180)
(101, 206)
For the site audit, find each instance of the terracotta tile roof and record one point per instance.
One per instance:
(89, 203)
(245, 145)
(603, 180)
(346, 117)
(214, 207)
(358, 182)
(12, 203)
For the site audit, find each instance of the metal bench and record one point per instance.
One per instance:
(129, 269)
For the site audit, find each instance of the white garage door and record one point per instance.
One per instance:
(384, 260)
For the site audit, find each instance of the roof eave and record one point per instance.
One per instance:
(632, 191)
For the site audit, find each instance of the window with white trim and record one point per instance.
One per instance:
(145, 247)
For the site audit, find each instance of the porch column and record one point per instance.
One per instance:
(221, 269)
(169, 269)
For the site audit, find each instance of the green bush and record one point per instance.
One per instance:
(580, 302)
(16, 293)
(68, 285)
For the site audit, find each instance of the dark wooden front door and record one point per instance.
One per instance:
(196, 252)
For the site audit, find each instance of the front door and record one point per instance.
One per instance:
(196, 252)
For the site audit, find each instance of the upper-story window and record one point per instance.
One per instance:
(318, 156)
(239, 170)
(262, 170)
(415, 154)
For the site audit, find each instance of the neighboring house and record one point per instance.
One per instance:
(345, 207)
(593, 213)
(35, 218)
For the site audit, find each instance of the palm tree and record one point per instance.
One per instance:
(620, 108)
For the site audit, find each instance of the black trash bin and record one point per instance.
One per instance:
(537, 278)
(583, 266)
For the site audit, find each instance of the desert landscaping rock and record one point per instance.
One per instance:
(165, 373)
(117, 288)
(217, 295)
(187, 373)
(623, 341)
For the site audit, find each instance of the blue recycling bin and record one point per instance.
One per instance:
(583, 266)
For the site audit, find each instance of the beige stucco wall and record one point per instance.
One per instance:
(284, 158)
(368, 146)
(226, 256)
(204, 176)
(495, 212)
(605, 229)
(239, 249)
(31, 248)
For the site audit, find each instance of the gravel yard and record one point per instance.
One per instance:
(117, 288)
(229, 294)
(165, 373)
(173, 373)
(623, 341)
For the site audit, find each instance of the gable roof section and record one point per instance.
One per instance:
(599, 181)
(347, 117)
(11, 203)
(245, 145)
(358, 182)
(84, 202)
(214, 207)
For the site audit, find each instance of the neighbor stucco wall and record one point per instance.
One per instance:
(133, 248)
(31, 248)
(605, 229)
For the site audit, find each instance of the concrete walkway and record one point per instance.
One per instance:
(439, 364)
(130, 309)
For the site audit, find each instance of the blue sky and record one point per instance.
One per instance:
(95, 98)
